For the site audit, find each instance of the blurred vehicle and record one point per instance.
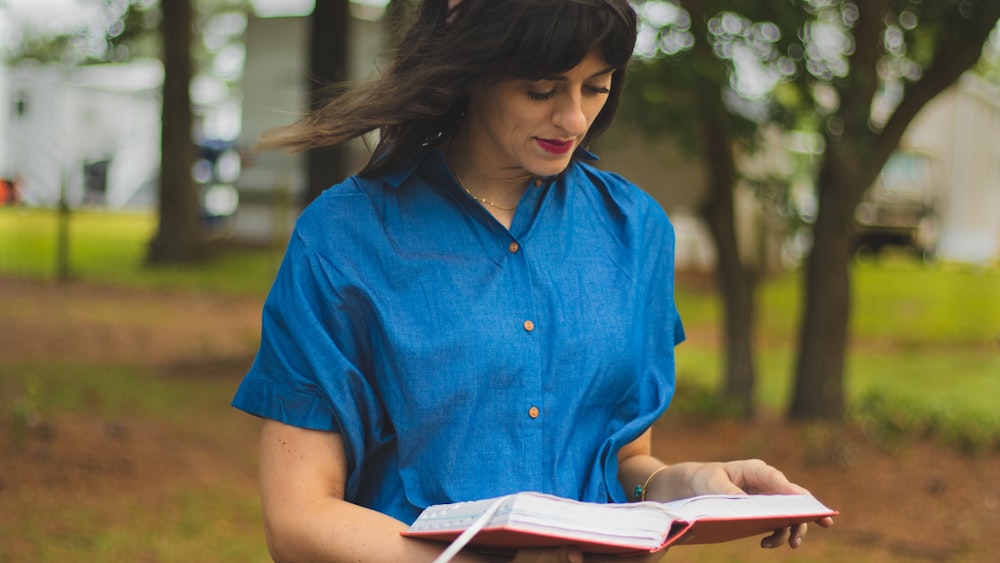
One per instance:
(216, 172)
(898, 210)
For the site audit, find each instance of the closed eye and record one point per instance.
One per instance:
(541, 96)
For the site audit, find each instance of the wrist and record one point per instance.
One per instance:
(674, 482)
(640, 492)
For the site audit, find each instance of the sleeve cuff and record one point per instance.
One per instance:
(267, 400)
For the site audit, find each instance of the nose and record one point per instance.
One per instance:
(570, 117)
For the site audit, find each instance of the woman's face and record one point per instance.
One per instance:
(532, 127)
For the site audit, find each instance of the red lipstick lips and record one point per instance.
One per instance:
(554, 146)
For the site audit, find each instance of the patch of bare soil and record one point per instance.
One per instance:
(128, 326)
(917, 501)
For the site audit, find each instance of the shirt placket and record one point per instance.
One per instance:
(529, 327)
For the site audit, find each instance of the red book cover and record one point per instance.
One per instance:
(537, 520)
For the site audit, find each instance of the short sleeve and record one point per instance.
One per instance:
(307, 372)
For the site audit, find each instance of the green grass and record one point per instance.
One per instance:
(924, 339)
(99, 242)
(110, 247)
(195, 524)
(53, 387)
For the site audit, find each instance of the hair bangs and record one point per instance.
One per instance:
(553, 37)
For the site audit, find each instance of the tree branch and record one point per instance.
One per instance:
(954, 53)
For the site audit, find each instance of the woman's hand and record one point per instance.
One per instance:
(751, 476)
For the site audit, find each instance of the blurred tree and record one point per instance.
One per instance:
(180, 236)
(103, 31)
(920, 48)
(715, 73)
(327, 70)
(684, 85)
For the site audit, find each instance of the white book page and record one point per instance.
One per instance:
(593, 519)
(744, 506)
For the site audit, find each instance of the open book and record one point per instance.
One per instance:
(538, 520)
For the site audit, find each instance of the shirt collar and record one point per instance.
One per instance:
(401, 173)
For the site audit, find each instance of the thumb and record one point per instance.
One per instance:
(571, 555)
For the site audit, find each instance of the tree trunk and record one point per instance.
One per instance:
(735, 280)
(819, 382)
(327, 68)
(180, 236)
(851, 164)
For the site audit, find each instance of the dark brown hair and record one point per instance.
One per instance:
(420, 99)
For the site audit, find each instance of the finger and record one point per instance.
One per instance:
(570, 555)
(760, 478)
(725, 486)
(771, 480)
(776, 539)
(797, 534)
(733, 479)
(713, 478)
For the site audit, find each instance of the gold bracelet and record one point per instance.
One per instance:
(640, 490)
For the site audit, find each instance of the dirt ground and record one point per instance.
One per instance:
(917, 501)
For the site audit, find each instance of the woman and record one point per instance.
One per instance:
(478, 311)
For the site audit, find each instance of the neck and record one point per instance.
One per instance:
(495, 188)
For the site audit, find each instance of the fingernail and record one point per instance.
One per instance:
(796, 541)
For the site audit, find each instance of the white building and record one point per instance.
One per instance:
(960, 131)
(275, 93)
(63, 125)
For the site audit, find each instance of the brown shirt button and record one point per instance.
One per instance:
(514, 247)
(538, 182)
(533, 412)
(529, 326)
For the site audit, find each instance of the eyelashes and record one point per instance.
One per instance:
(592, 90)
(541, 96)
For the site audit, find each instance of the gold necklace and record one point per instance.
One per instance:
(481, 199)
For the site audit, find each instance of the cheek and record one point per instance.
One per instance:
(521, 119)
(594, 109)
(506, 109)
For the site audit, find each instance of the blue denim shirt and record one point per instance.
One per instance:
(461, 360)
